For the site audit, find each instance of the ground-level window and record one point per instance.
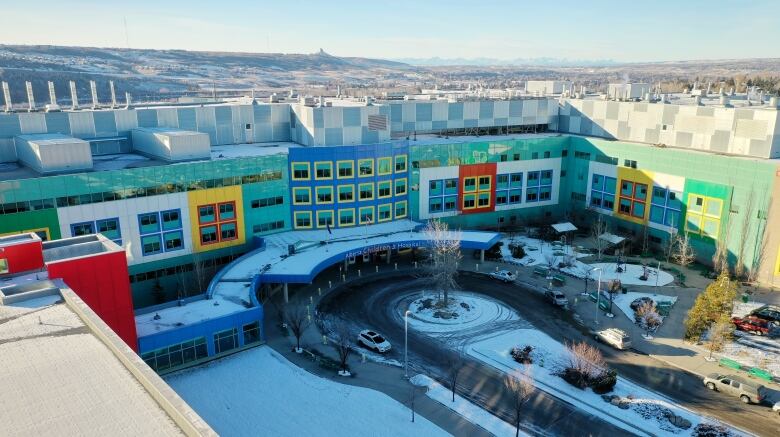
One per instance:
(251, 333)
(176, 355)
(225, 340)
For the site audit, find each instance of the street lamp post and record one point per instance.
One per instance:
(406, 344)
(598, 293)
(657, 274)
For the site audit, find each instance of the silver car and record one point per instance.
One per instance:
(747, 391)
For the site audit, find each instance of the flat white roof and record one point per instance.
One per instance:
(436, 139)
(564, 227)
(233, 151)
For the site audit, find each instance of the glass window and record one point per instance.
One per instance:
(149, 223)
(366, 191)
(208, 234)
(469, 201)
(150, 244)
(400, 209)
(516, 180)
(302, 219)
(656, 214)
(384, 165)
(675, 200)
(435, 204)
(345, 169)
(367, 215)
(469, 184)
(226, 340)
(515, 196)
(400, 187)
(638, 210)
(227, 211)
(206, 214)
(659, 196)
(400, 163)
(251, 333)
(609, 201)
(640, 191)
(324, 219)
(609, 185)
(502, 182)
(483, 200)
(598, 182)
(484, 182)
(383, 189)
(545, 193)
(713, 207)
(595, 199)
(173, 240)
(451, 186)
(627, 188)
(451, 203)
(323, 170)
(531, 194)
(301, 196)
(625, 206)
(78, 229)
(227, 231)
(533, 178)
(546, 177)
(346, 217)
(435, 188)
(324, 194)
(109, 228)
(385, 212)
(346, 193)
(502, 197)
(365, 167)
(672, 218)
(171, 219)
(300, 170)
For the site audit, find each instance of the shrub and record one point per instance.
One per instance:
(710, 430)
(605, 382)
(517, 251)
(586, 368)
(522, 355)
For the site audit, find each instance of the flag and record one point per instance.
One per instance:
(328, 226)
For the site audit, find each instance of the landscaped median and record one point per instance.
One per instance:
(628, 406)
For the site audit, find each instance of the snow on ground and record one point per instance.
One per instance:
(645, 413)
(464, 408)
(537, 252)
(472, 311)
(623, 301)
(259, 392)
(742, 309)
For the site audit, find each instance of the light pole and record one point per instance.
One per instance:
(406, 344)
(598, 293)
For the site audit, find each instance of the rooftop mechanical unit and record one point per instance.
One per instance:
(170, 144)
(53, 153)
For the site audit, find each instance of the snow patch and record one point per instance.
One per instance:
(473, 311)
(623, 301)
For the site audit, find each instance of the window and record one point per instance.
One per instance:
(156, 238)
(450, 186)
(532, 195)
(665, 207)
(251, 333)
(503, 158)
(208, 235)
(516, 157)
(703, 215)
(535, 155)
(533, 179)
(79, 229)
(469, 201)
(177, 354)
(383, 189)
(110, 229)
(483, 200)
(366, 215)
(515, 196)
(269, 201)
(547, 154)
(435, 204)
(324, 219)
(366, 191)
(323, 170)
(365, 167)
(384, 166)
(301, 196)
(539, 186)
(509, 189)
(206, 214)
(400, 187)
(484, 183)
(384, 212)
(302, 219)
(602, 194)
(442, 196)
(227, 211)
(225, 340)
(450, 203)
(629, 163)
(435, 188)
(400, 163)
(346, 169)
(469, 184)
(265, 227)
(633, 196)
(400, 209)
(300, 171)
(502, 182)
(501, 197)
(324, 195)
(227, 231)
(347, 217)
(346, 193)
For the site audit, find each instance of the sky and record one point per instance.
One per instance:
(625, 31)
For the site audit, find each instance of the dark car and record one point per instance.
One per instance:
(769, 313)
(752, 324)
(641, 301)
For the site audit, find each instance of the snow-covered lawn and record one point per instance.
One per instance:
(464, 408)
(644, 412)
(623, 301)
(471, 310)
(631, 274)
(536, 251)
(259, 392)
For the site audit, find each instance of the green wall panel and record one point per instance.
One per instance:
(31, 220)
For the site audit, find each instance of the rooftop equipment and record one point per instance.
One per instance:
(30, 96)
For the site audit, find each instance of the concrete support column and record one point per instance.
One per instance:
(482, 255)
(286, 293)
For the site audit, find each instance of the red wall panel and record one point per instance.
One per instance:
(23, 257)
(102, 283)
(477, 170)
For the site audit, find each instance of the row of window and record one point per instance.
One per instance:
(161, 231)
(665, 207)
(346, 193)
(268, 201)
(703, 215)
(602, 194)
(108, 196)
(266, 227)
(364, 215)
(170, 271)
(534, 155)
(217, 222)
(346, 169)
(108, 227)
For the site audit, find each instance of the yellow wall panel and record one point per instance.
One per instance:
(635, 176)
(215, 196)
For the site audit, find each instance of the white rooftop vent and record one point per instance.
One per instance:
(53, 153)
(170, 144)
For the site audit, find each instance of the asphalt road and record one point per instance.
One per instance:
(373, 303)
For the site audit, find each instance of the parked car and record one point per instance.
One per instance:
(752, 324)
(503, 275)
(776, 407)
(374, 341)
(614, 337)
(636, 303)
(556, 298)
(769, 313)
(747, 391)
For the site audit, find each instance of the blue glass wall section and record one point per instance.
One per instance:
(351, 154)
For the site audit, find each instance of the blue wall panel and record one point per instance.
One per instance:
(59, 122)
(147, 117)
(424, 112)
(486, 109)
(9, 125)
(187, 119)
(105, 123)
(351, 117)
(455, 111)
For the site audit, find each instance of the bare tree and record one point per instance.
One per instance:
(720, 259)
(342, 342)
(585, 359)
(670, 241)
(200, 272)
(519, 385)
(298, 322)
(549, 259)
(647, 317)
(683, 254)
(744, 233)
(598, 229)
(442, 266)
(454, 362)
(719, 334)
(758, 257)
